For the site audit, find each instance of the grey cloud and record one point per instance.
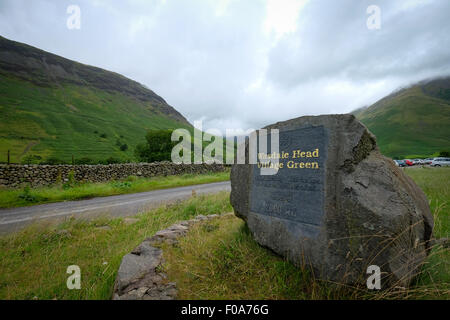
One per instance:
(226, 70)
(338, 44)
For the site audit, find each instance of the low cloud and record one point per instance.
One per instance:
(247, 63)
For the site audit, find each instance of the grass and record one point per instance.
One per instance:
(409, 124)
(221, 260)
(434, 182)
(217, 260)
(61, 121)
(33, 263)
(27, 196)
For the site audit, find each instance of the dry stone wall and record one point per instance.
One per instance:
(14, 176)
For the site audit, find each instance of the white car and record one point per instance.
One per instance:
(418, 161)
(438, 162)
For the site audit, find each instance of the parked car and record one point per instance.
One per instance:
(428, 160)
(409, 162)
(419, 161)
(438, 162)
(400, 163)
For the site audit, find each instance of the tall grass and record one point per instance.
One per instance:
(33, 262)
(435, 183)
(221, 260)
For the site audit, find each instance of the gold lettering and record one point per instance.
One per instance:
(316, 153)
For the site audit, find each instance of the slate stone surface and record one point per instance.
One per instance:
(292, 194)
(357, 209)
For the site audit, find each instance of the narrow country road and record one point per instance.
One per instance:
(114, 206)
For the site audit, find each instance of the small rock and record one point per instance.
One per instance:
(64, 233)
(103, 228)
(141, 291)
(129, 221)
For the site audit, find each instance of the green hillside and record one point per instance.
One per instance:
(411, 122)
(52, 107)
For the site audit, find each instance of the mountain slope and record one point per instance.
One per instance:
(411, 122)
(54, 107)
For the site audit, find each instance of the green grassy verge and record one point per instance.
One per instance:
(26, 196)
(217, 260)
(33, 263)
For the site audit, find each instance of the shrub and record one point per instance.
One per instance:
(52, 161)
(112, 160)
(31, 159)
(28, 197)
(131, 178)
(157, 148)
(71, 181)
(122, 184)
(25, 195)
(84, 160)
(58, 179)
(124, 147)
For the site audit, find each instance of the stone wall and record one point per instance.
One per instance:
(14, 176)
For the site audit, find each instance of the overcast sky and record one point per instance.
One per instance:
(247, 63)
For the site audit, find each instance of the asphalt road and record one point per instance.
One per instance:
(114, 206)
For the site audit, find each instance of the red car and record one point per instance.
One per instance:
(409, 162)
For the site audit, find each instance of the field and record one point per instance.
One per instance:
(76, 191)
(218, 259)
(414, 123)
(434, 182)
(61, 121)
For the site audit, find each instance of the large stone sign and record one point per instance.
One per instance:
(295, 193)
(335, 204)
